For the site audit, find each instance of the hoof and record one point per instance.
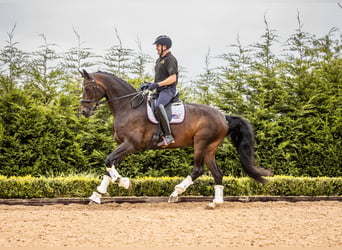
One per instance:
(214, 204)
(95, 197)
(211, 206)
(175, 194)
(218, 202)
(173, 197)
(125, 183)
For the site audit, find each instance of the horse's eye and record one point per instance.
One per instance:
(87, 89)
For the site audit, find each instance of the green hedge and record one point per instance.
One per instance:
(79, 186)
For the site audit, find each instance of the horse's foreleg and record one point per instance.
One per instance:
(114, 159)
(112, 175)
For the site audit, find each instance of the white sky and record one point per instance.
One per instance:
(193, 25)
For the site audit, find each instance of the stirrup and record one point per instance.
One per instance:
(166, 141)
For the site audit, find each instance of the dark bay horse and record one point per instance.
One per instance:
(204, 128)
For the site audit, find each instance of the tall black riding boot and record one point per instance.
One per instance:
(165, 126)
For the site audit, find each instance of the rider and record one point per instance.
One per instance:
(165, 80)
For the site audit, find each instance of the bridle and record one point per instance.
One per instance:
(98, 101)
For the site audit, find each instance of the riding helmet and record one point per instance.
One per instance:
(163, 40)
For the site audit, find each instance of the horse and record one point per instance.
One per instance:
(204, 128)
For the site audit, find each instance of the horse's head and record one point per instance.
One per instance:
(91, 94)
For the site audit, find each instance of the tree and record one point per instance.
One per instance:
(44, 77)
(78, 57)
(233, 90)
(118, 59)
(313, 82)
(205, 83)
(13, 63)
(264, 83)
(139, 63)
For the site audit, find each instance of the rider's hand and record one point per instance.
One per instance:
(153, 85)
(143, 87)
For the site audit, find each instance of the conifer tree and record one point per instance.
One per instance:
(139, 64)
(265, 87)
(233, 89)
(205, 84)
(12, 63)
(78, 57)
(44, 76)
(117, 59)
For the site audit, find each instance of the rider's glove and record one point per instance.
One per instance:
(143, 87)
(153, 85)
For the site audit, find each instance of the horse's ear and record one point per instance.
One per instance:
(84, 74)
(81, 73)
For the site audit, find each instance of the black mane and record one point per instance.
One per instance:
(115, 78)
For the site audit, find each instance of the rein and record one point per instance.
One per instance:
(98, 102)
(111, 100)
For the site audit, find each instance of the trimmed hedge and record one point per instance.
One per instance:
(78, 186)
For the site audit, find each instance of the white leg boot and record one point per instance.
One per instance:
(104, 184)
(113, 173)
(116, 177)
(102, 189)
(95, 197)
(218, 198)
(180, 188)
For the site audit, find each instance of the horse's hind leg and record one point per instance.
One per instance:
(218, 176)
(196, 172)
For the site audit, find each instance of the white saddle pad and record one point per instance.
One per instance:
(178, 113)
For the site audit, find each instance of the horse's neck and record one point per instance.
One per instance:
(116, 93)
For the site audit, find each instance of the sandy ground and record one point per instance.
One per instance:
(234, 224)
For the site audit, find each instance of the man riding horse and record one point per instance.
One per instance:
(165, 81)
(204, 128)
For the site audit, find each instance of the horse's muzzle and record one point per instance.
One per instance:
(87, 111)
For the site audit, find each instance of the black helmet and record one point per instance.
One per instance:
(163, 40)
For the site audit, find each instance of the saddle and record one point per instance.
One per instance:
(175, 109)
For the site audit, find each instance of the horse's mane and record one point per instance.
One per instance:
(118, 79)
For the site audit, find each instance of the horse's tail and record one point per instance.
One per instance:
(242, 136)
